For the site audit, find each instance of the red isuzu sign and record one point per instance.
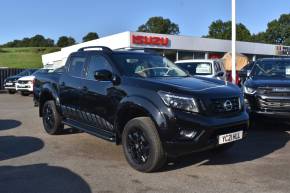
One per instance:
(150, 40)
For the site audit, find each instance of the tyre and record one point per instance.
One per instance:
(142, 146)
(223, 148)
(51, 118)
(11, 91)
(23, 93)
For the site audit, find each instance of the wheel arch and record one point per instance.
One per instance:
(47, 92)
(132, 107)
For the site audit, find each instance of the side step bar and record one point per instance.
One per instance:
(109, 136)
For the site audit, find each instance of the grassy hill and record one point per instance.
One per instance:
(29, 57)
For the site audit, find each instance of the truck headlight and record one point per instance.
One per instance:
(249, 90)
(179, 102)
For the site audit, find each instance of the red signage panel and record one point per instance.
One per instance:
(150, 40)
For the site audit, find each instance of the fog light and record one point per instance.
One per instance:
(190, 134)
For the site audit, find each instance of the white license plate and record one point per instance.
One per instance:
(227, 138)
(9, 84)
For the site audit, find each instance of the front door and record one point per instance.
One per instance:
(97, 102)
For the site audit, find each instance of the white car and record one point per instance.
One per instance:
(204, 68)
(25, 84)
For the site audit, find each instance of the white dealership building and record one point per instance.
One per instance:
(175, 47)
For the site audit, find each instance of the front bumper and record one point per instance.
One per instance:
(208, 129)
(24, 87)
(277, 107)
(9, 87)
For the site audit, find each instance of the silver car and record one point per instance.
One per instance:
(204, 68)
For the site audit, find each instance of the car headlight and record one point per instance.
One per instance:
(249, 90)
(179, 102)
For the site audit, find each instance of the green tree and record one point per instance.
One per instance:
(278, 31)
(35, 41)
(90, 36)
(39, 41)
(220, 30)
(64, 41)
(259, 37)
(159, 25)
(243, 34)
(223, 30)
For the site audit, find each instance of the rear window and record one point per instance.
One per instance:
(197, 68)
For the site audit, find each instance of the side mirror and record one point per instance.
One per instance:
(220, 74)
(103, 75)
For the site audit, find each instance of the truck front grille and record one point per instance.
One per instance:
(22, 82)
(226, 105)
(274, 104)
(274, 91)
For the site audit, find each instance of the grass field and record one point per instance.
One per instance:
(29, 57)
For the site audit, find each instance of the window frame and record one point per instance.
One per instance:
(88, 63)
(217, 67)
(70, 62)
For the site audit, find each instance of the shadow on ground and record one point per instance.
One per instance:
(14, 146)
(9, 124)
(41, 178)
(263, 139)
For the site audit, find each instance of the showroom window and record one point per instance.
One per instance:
(199, 55)
(185, 55)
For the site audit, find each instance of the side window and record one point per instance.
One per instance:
(76, 66)
(217, 67)
(97, 62)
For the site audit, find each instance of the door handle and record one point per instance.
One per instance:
(85, 88)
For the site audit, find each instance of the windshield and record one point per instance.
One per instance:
(59, 70)
(147, 66)
(43, 70)
(196, 68)
(273, 69)
(24, 73)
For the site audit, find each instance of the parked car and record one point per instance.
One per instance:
(25, 83)
(10, 82)
(267, 88)
(205, 68)
(144, 102)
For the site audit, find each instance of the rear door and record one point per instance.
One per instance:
(70, 86)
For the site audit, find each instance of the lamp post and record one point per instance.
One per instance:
(233, 41)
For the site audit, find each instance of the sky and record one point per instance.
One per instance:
(54, 18)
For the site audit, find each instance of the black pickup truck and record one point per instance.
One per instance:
(142, 101)
(267, 88)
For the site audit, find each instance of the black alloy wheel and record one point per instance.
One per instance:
(142, 145)
(52, 120)
(138, 146)
(48, 117)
